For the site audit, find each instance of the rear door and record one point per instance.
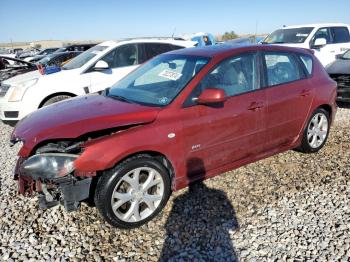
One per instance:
(216, 135)
(289, 95)
(121, 61)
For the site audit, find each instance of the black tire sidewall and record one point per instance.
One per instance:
(56, 99)
(110, 179)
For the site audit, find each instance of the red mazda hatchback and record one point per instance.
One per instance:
(181, 117)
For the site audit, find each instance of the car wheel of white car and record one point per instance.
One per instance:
(56, 99)
(316, 132)
(133, 192)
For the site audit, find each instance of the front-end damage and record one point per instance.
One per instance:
(50, 171)
(56, 139)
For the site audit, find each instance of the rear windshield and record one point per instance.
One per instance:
(83, 58)
(290, 35)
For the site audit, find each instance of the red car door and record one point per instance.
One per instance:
(215, 135)
(289, 94)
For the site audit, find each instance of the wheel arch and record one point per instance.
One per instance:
(163, 159)
(55, 94)
(329, 109)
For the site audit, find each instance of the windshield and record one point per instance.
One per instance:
(346, 55)
(291, 35)
(83, 58)
(159, 81)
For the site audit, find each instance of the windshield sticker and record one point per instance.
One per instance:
(96, 52)
(301, 35)
(163, 100)
(172, 75)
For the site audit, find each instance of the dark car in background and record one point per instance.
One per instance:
(40, 55)
(58, 59)
(339, 71)
(18, 66)
(75, 47)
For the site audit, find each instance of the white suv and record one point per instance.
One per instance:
(328, 40)
(94, 70)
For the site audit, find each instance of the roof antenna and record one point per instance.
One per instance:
(172, 36)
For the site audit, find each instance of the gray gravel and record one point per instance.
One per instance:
(290, 207)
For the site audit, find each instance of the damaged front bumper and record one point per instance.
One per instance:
(54, 178)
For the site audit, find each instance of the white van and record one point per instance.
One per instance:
(94, 70)
(328, 40)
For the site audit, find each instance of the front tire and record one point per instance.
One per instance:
(133, 192)
(316, 132)
(56, 99)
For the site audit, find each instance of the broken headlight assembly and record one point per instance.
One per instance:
(49, 165)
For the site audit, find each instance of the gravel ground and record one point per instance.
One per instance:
(290, 207)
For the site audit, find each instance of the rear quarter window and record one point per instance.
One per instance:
(308, 63)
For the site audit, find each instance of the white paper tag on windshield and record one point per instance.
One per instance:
(172, 75)
(96, 52)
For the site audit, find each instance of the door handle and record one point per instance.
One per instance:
(255, 106)
(305, 93)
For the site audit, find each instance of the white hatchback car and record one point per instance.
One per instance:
(94, 70)
(328, 40)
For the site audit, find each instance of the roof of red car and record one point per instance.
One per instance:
(216, 50)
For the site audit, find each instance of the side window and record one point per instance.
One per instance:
(176, 47)
(322, 33)
(281, 68)
(307, 61)
(109, 58)
(125, 55)
(153, 49)
(236, 75)
(340, 35)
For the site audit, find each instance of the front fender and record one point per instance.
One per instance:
(106, 152)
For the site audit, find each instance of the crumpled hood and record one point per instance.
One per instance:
(78, 116)
(340, 66)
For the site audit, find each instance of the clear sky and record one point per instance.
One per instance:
(107, 19)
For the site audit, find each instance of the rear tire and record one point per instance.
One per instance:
(56, 99)
(316, 132)
(132, 193)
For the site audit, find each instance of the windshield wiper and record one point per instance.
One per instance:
(121, 98)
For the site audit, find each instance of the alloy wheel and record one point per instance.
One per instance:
(317, 130)
(137, 194)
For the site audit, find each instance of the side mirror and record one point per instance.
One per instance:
(340, 56)
(319, 42)
(212, 96)
(101, 65)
